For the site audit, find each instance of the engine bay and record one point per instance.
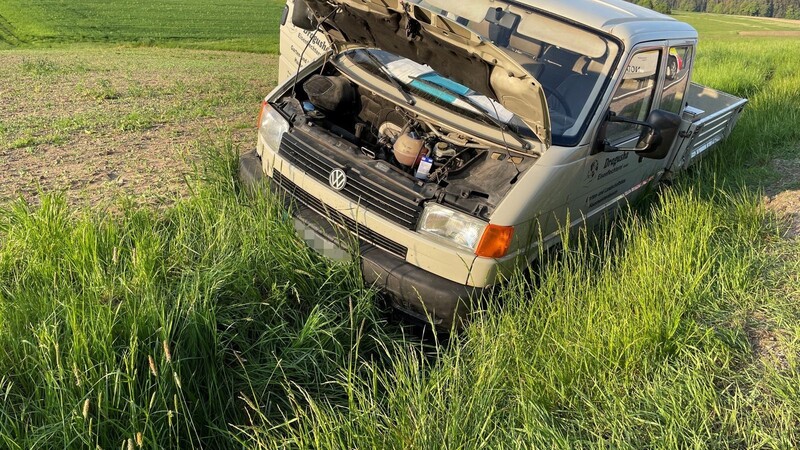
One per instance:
(430, 161)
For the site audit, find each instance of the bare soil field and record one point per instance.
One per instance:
(104, 123)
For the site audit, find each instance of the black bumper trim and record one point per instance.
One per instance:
(425, 295)
(250, 171)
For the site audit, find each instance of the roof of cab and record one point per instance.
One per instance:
(627, 21)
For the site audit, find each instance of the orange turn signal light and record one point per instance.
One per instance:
(261, 113)
(495, 241)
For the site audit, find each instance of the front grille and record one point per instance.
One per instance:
(364, 234)
(392, 202)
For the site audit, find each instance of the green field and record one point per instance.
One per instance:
(245, 25)
(206, 322)
(714, 26)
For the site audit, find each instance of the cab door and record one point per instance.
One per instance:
(656, 77)
(680, 61)
(614, 177)
(671, 97)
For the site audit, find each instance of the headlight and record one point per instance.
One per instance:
(273, 125)
(463, 230)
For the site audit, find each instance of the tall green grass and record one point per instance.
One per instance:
(171, 326)
(766, 72)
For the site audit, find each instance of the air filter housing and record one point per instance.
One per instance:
(330, 93)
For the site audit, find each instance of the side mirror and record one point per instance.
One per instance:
(649, 136)
(655, 139)
(303, 17)
(667, 124)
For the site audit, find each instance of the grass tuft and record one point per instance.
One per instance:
(39, 67)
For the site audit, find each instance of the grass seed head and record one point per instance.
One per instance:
(77, 374)
(167, 353)
(153, 369)
(86, 405)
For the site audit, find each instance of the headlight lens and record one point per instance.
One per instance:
(463, 230)
(273, 125)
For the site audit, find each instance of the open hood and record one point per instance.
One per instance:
(427, 37)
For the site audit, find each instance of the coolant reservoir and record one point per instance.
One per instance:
(407, 149)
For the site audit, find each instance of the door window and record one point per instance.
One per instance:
(634, 97)
(677, 77)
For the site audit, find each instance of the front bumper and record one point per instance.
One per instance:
(412, 290)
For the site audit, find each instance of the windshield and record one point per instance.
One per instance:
(572, 64)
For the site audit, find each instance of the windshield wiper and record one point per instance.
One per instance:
(401, 87)
(478, 108)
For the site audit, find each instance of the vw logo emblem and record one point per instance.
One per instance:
(337, 179)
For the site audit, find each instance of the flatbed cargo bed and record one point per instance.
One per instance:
(708, 119)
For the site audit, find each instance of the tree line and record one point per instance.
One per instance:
(788, 9)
